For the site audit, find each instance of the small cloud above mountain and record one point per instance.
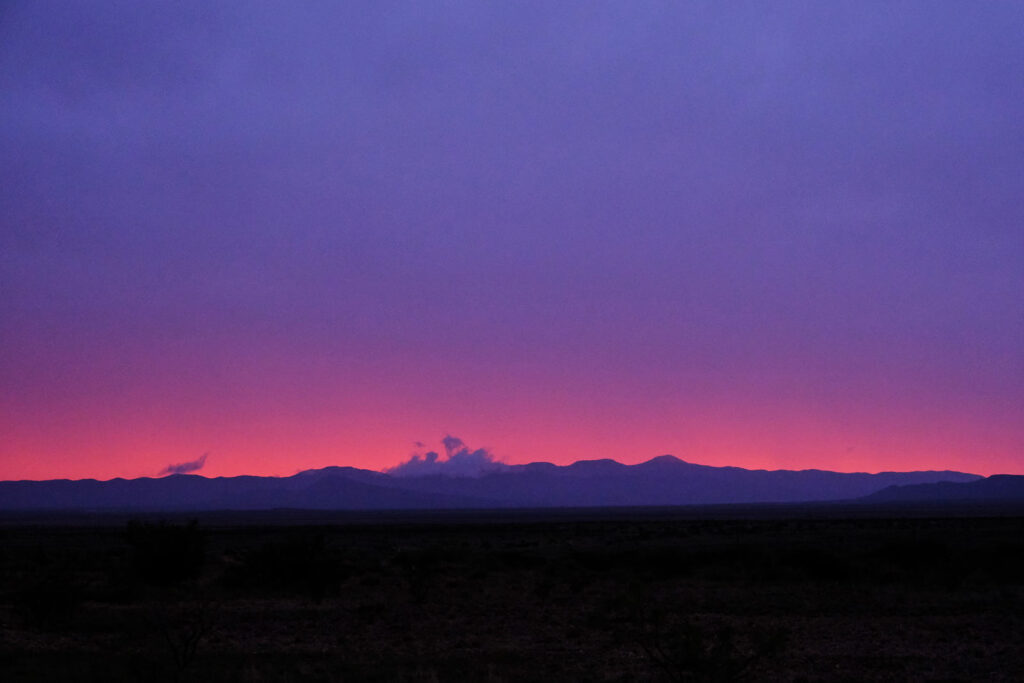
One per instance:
(185, 467)
(458, 461)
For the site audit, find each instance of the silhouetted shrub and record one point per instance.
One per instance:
(165, 553)
(683, 648)
(180, 628)
(305, 565)
(419, 569)
(1005, 563)
(48, 601)
(924, 562)
(819, 563)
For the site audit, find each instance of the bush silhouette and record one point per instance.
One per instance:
(682, 648)
(304, 565)
(49, 601)
(165, 553)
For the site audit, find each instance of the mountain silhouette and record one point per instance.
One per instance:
(997, 488)
(665, 480)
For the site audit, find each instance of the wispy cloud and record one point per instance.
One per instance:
(458, 461)
(185, 467)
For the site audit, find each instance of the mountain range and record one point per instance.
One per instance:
(997, 488)
(662, 481)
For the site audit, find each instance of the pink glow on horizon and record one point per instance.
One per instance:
(267, 446)
(111, 413)
(108, 415)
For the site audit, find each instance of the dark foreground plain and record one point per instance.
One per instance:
(733, 593)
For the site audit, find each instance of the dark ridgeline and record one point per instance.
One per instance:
(997, 488)
(662, 481)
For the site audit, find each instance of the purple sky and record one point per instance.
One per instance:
(297, 234)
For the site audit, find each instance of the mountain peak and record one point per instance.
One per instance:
(601, 464)
(665, 460)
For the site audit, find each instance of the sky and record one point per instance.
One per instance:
(267, 237)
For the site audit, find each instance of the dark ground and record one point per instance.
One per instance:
(757, 593)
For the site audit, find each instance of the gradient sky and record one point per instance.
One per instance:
(773, 235)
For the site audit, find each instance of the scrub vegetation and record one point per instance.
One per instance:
(504, 597)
